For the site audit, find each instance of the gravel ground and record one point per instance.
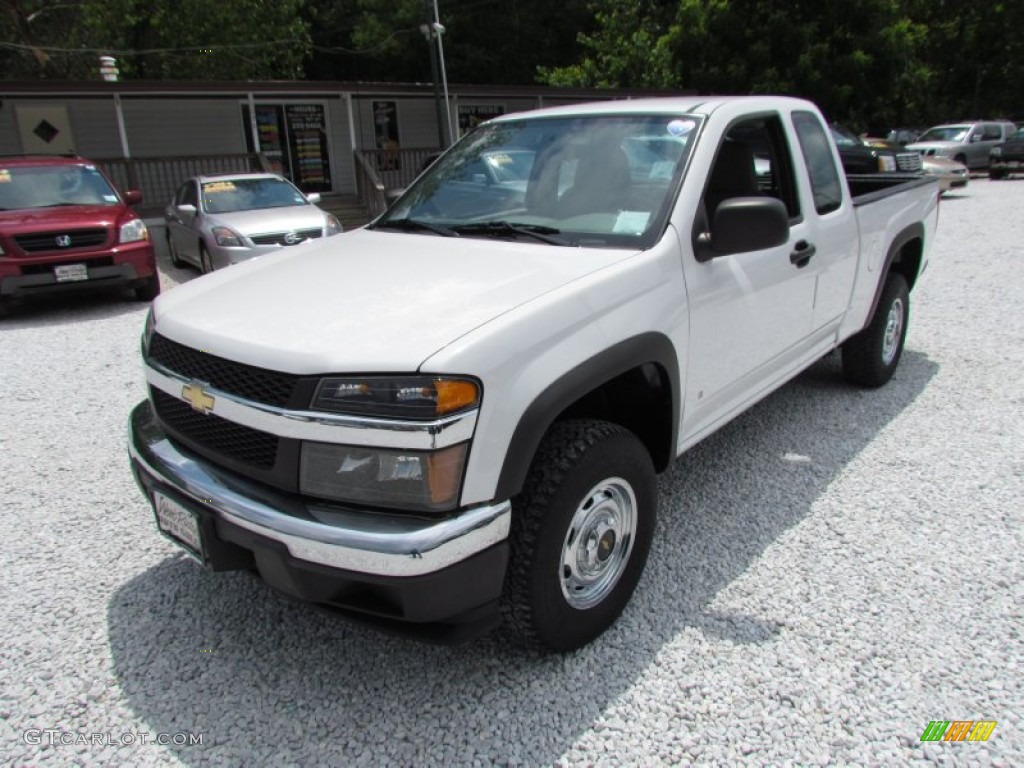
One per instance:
(832, 571)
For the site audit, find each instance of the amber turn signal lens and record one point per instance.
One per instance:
(454, 395)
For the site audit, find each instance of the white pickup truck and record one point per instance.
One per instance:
(455, 416)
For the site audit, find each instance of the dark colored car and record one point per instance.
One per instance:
(879, 157)
(63, 227)
(1008, 157)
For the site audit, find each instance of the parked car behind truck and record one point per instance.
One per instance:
(1008, 157)
(64, 227)
(969, 143)
(219, 220)
(461, 421)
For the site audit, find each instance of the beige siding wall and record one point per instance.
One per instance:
(168, 127)
(93, 124)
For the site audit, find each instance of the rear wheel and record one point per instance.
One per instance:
(996, 174)
(870, 358)
(581, 531)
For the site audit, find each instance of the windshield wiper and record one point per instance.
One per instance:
(506, 228)
(412, 225)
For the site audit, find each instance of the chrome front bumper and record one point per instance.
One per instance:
(368, 542)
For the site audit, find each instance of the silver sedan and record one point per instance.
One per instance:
(215, 221)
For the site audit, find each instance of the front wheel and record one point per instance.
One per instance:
(870, 358)
(149, 288)
(581, 531)
(176, 259)
(205, 262)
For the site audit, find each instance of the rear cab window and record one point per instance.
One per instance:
(826, 186)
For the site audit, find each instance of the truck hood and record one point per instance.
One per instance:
(366, 301)
(63, 217)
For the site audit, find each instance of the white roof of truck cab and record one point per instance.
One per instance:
(669, 105)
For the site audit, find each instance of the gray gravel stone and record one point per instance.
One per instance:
(831, 571)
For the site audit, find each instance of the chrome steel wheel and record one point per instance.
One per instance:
(598, 543)
(893, 332)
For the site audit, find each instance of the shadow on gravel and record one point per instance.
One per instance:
(71, 308)
(269, 681)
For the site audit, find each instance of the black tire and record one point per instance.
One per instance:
(149, 288)
(870, 358)
(996, 175)
(205, 262)
(175, 258)
(962, 159)
(587, 472)
(5, 307)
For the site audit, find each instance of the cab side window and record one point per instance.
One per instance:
(821, 166)
(753, 160)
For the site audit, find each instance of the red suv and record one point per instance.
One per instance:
(63, 226)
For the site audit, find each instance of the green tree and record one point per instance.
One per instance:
(180, 39)
(486, 41)
(866, 62)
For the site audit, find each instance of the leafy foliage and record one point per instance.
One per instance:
(869, 63)
(872, 63)
(172, 39)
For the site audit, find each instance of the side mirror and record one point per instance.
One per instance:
(313, 197)
(744, 224)
(187, 208)
(132, 196)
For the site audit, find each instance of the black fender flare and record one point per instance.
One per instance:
(914, 232)
(646, 348)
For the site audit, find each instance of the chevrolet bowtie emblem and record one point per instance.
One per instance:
(194, 394)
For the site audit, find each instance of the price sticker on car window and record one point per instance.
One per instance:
(218, 186)
(631, 222)
(5, 176)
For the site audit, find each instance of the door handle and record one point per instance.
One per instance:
(802, 254)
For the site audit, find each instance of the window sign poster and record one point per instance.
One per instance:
(385, 132)
(471, 115)
(307, 144)
(270, 126)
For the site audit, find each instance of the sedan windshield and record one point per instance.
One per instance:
(228, 195)
(47, 186)
(601, 181)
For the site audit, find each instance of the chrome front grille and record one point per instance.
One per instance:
(61, 241)
(292, 237)
(908, 161)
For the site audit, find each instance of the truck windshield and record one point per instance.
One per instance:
(945, 133)
(46, 186)
(596, 181)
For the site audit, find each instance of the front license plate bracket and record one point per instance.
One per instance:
(179, 524)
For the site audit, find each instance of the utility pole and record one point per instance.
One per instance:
(429, 33)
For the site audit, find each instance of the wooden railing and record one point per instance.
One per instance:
(395, 168)
(369, 188)
(159, 177)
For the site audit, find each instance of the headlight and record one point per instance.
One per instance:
(333, 225)
(426, 481)
(397, 397)
(227, 237)
(147, 332)
(133, 231)
(886, 163)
